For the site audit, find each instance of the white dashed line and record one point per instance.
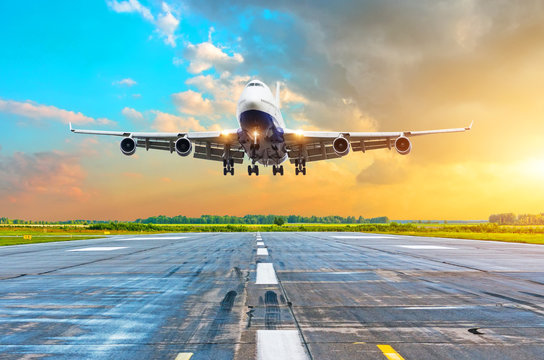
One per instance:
(260, 243)
(280, 344)
(266, 274)
(100, 248)
(262, 251)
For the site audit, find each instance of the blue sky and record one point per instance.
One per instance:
(377, 65)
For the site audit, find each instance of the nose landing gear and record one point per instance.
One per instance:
(277, 170)
(253, 170)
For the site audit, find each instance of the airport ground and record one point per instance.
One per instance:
(273, 295)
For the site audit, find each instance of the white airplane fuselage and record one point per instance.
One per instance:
(261, 125)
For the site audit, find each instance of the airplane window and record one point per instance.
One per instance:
(257, 84)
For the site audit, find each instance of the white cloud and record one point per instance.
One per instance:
(125, 82)
(166, 21)
(172, 123)
(192, 102)
(167, 24)
(132, 114)
(130, 6)
(206, 55)
(32, 110)
(223, 92)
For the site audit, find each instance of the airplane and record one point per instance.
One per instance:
(263, 136)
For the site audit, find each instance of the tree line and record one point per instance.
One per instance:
(513, 219)
(261, 219)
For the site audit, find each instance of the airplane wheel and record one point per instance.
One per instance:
(224, 171)
(296, 163)
(249, 170)
(281, 170)
(232, 171)
(274, 170)
(231, 162)
(304, 171)
(224, 162)
(256, 169)
(296, 171)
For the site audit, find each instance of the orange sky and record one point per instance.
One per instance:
(391, 72)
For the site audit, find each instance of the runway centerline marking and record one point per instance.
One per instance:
(262, 251)
(389, 352)
(266, 274)
(184, 356)
(280, 344)
(100, 248)
(260, 243)
(426, 247)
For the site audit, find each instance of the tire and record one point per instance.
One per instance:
(304, 171)
(256, 170)
(231, 162)
(225, 171)
(249, 170)
(281, 170)
(232, 171)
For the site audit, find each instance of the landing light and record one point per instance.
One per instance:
(299, 132)
(255, 133)
(224, 132)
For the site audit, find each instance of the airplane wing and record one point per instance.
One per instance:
(318, 145)
(209, 145)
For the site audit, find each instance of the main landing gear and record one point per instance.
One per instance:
(253, 170)
(277, 170)
(300, 166)
(228, 166)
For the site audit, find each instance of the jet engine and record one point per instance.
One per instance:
(403, 145)
(341, 146)
(128, 146)
(183, 146)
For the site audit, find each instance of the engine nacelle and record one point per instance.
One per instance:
(341, 146)
(128, 146)
(183, 146)
(403, 145)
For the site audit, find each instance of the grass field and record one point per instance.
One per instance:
(12, 235)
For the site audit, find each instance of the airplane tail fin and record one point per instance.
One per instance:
(278, 94)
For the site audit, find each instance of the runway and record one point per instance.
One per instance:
(301, 296)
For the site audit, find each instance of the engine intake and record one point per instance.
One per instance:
(183, 146)
(128, 146)
(403, 145)
(341, 146)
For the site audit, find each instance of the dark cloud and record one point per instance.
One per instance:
(45, 173)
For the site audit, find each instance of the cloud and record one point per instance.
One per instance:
(41, 174)
(192, 103)
(206, 55)
(132, 114)
(166, 22)
(383, 172)
(128, 82)
(32, 110)
(173, 123)
(131, 6)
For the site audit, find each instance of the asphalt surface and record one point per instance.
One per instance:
(324, 296)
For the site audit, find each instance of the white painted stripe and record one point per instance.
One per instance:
(425, 247)
(266, 274)
(100, 248)
(362, 237)
(280, 344)
(153, 238)
(262, 251)
(260, 243)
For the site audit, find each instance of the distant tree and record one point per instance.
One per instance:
(279, 221)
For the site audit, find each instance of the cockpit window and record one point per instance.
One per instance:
(255, 84)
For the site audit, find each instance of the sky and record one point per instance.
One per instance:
(381, 65)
